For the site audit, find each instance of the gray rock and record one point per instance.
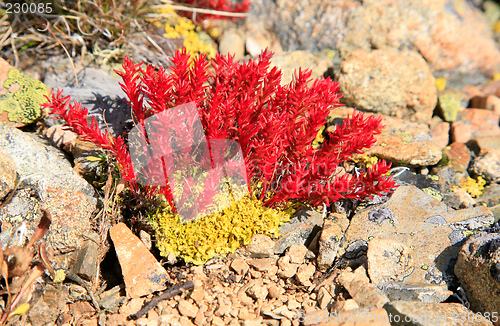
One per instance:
(301, 229)
(415, 292)
(422, 223)
(330, 238)
(100, 93)
(478, 269)
(398, 84)
(34, 155)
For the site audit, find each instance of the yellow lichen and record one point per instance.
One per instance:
(440, 83)
(181, 27)
(368, 160)
(473, 187)
(216, 234)
(23, 105)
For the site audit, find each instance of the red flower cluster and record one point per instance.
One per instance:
(275, 125)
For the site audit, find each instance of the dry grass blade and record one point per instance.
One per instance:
(36, 272)
(42, 228)
(202, 10)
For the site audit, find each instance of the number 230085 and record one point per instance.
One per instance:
(28, 8)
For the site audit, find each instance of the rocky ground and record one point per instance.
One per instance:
(427, 254)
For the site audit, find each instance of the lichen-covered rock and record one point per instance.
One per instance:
(390, 82)
(20, 96)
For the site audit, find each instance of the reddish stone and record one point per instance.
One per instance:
(473, 123)
(142, 273)
(459, 156)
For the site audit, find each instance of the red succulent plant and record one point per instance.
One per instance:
(274, 124)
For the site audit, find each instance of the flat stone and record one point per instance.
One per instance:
(478, 270)
(485, 142)
(258, 38)
(391, 82)
(324, 298)
(487, 165)
(427, 314)
(301, 229)
(388, 260)
(361, 290)
(421, 222)
(232, 42)
(331, 236)
(132, 306)
(66, 234)
(437, 30)
(142, 273)
(286, 269)
(359, 317)
(99, 92)
(339, 306)
(408, 143)
(450, 102)
(257, 292)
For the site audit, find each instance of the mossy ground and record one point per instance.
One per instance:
(217, 234)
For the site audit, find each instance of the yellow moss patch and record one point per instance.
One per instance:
(217, 234)
(473, 187)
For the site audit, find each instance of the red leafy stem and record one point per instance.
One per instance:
(274, 124)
